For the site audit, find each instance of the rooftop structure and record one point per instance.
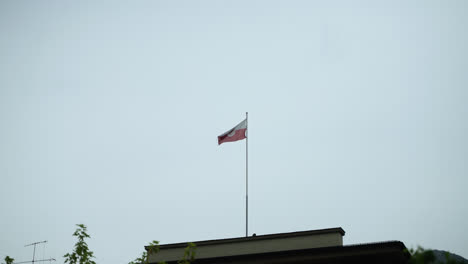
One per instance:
(315, 246)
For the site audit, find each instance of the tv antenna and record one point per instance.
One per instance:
(34, 254)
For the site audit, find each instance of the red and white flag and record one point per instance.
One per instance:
(238, 132)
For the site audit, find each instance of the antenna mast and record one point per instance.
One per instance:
(34, 254)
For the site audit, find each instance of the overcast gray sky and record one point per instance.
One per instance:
(109, 113)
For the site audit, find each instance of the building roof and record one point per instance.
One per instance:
(381, 252)
(314, 246)
(338, 230)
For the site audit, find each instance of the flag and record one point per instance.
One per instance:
(238, 132)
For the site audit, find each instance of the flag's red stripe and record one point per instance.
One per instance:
(238, 135)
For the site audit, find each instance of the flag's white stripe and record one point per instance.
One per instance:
(241, 125)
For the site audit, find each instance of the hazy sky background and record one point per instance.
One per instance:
(109, 113)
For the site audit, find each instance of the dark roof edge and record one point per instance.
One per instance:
(371, 244)
(255, 238)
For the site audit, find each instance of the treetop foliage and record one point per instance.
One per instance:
(427, 256)
(9, 260)
(81, 253)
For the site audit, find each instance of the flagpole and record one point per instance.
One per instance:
(247, 175)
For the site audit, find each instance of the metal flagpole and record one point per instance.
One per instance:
(247, 175)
